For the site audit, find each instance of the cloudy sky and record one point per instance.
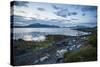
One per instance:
(25, 13)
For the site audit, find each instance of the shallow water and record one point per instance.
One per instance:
(35, 32)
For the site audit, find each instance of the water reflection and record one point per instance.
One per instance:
(40, 33)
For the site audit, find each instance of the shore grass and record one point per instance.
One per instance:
(88, 51)
(21, 46)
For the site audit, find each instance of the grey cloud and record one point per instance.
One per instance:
(89, 8)
(21, 19)
(41, 9)
(19, 3)
(62, 13)
(55, 7)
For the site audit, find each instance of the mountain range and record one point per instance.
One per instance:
(37, 25)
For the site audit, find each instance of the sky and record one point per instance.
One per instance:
(26, 13)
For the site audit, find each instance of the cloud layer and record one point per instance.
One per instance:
(25, 13)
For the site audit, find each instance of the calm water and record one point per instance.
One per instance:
(35, 32)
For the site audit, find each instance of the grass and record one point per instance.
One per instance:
(24, 46)
(87, 53)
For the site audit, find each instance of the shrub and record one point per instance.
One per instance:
(93, 40)
(85, 54)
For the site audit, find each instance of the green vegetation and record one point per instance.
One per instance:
(24, 46)
(93, 40)
(87, 53)
(21, 46)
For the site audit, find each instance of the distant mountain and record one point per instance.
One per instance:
(37, 25)
(81, 27)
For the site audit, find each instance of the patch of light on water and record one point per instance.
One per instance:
(31, 38)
